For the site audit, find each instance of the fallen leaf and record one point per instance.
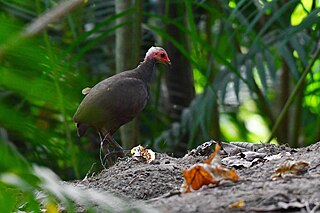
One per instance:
(222, 173)
(233, 148)
(280, 207)
(203, 149)
(209, 172)
(244, 159)
(250, 155)
(198, 176)
(290, 167)
(214, 157)
(237, 205)
(140, 153)
(291, 205)
(277, 156)
(236, 162)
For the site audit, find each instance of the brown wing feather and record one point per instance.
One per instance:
(112, 102)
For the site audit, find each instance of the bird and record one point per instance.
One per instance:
(118, 99)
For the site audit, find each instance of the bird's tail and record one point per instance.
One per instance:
(81, 129)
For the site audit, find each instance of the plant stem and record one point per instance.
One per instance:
(293, 95)
(61, 107)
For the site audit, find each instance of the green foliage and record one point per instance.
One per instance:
(29, 188)
(239, 51)
(312, 94)
(244, 49)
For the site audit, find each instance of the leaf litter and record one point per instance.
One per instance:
(159, 182)
(211, 171)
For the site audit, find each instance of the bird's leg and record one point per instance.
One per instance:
(115, 144)
(105, 149)
(118, 149)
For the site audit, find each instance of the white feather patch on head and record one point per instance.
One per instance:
(152, 50)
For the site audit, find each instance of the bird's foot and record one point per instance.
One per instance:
(110, 155)
(107, 156)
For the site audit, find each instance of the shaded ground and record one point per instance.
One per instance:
(158, 183)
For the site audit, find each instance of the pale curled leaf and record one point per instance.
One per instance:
(140, 153)
(291, 205)
(277, 156)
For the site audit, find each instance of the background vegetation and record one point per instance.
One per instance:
(242, 71)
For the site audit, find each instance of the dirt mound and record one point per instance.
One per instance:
(159, 182)
(139, 180)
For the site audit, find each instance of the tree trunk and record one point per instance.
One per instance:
(127, 57)
(283, 132)
(179, 81)
(214, 128)
(294, 139)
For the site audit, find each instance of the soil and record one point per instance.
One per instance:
(159, 182)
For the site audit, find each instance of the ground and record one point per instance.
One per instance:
(159, 182)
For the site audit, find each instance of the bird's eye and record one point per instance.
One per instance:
(162, 55)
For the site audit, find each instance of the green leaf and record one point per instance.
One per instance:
(287, 55)
(261, 71)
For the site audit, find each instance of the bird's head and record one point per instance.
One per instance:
(159, 54)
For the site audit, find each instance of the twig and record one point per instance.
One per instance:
(102, 146)
(89, 172)
(167, 195)
(50, 16)
(315, 208)
(40, 24)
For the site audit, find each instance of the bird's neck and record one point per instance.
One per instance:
(145, 70)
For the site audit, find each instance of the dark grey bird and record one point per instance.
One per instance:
(118, 99)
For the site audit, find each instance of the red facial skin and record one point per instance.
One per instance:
(160, 55)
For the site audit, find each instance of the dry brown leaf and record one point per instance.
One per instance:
(220, 172)
(209, 172)
(214, 157)
(197, 176)
(290, 167)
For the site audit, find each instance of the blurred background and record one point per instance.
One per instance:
(235, 65)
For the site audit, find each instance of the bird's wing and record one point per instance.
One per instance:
(112, 100)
